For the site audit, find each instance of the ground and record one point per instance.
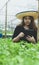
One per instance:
(21, 53)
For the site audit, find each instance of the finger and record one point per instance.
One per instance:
(28, 39)
(29, 36)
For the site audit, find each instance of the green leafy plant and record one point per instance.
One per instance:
(21, 53)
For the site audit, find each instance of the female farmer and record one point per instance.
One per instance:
(27, 30)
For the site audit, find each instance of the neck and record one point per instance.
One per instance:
(26, 27)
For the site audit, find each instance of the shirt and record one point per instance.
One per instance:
(30, 32)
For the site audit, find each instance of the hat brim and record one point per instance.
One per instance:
(27, 13)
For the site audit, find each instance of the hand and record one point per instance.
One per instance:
(17, 38)
(21, 34)
(31, 39)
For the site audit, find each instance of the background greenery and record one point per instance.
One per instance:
(21, 53)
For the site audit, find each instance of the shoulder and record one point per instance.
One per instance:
(35, 31)
(18, 27)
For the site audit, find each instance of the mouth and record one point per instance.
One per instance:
(27, 23)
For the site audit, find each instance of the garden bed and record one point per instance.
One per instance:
(21, 53)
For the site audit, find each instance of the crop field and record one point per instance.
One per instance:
(21, 53)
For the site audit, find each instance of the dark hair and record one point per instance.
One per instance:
(32, 25)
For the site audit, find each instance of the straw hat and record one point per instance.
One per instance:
(27, 13)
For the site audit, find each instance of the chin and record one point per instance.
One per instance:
(27, 24)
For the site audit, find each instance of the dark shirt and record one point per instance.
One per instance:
(29, 32)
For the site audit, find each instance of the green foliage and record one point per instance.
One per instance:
(21, 53)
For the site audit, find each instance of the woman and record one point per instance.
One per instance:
(27, 30)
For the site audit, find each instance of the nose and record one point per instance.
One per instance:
(27, 20)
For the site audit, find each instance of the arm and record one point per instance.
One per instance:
(35, 35)
(17, 38)
(17, 34)
(31, 39)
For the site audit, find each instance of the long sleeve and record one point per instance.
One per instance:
(35, 35)
(16, 32)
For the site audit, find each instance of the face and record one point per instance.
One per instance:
(27, 20)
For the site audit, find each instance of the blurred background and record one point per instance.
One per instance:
(8, 10)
